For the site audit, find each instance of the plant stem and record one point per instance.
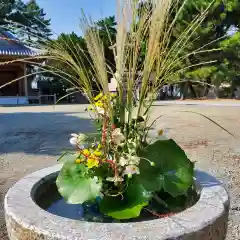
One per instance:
(104, 133)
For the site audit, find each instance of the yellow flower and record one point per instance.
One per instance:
(98, 97)
(92, 162)
(78, 161)
(113, 95)
(90, 108)
(98, 153)
(86, 152)
(104, 98)
(99, 146)
(99, 104)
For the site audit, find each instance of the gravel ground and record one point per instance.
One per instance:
(32, 137)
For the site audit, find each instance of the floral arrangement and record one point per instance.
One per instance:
(120, 168)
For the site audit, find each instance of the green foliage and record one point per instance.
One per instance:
(75, 185)
(232, 44)
(107, 33)
(76, 47)
(120, 166)
(209, 66)
(201, 73)
(5, 9)
(127, 206)
(129, 177)
(67, 157)
(173, 171)
(71, 45)
(222, 20)
(26, 20)
(107, 30)
(35, 23)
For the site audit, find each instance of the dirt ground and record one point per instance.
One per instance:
(31, 138)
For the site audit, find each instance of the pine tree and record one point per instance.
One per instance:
(36, 24)
(26, 20)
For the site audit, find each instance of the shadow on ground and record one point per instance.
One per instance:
(39, 133)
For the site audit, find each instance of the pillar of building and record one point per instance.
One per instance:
(25, 80)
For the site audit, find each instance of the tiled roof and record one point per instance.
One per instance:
(10, 46)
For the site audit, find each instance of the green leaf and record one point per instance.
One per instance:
(67, 156)
(130, 206)
(130, 212)
(173, 171)
(74, 184)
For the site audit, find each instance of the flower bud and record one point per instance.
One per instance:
(152, 164)
(78, 161)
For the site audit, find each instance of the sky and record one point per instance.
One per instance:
(64, 14)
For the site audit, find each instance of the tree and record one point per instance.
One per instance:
(26, 20)
(69, 42)
(35, 23)
(231, 50)
(76, 48)
(222, 19)
(214, 29)
(6, 7)
(107, 32)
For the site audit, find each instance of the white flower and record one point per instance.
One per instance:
(134, 160)
(123, 161)
(162, 134)
(117, 136)
(115, 179)
(131, 169)
(77, 139)
(129, 160)
(100, 110)
(73, 139)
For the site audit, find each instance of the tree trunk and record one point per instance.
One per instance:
(217, 91)
(192, 91)
(183, 86)
(207, 87)
(205, 92)
(233, 88)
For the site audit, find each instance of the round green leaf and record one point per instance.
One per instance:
(127, 213)
(67, 157)
(173, 171)
(130, 206)
(74, 184)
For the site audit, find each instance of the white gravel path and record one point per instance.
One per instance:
(32, 137)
